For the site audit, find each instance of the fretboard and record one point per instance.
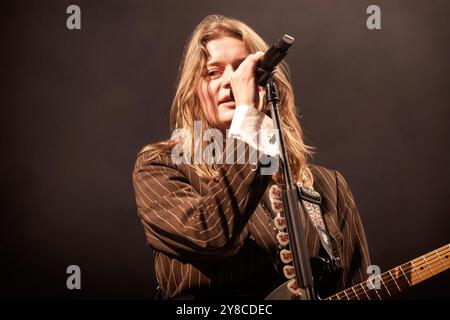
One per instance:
(397, 279)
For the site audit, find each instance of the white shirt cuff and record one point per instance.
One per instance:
(254, 128)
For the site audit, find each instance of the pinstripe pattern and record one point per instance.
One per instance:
(216, 238)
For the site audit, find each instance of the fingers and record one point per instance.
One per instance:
(254, 58)
(243, 81)
(247, 67)
(262, 101)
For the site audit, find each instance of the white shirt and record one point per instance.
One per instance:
(254, 128)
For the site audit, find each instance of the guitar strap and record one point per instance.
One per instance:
(310, 200)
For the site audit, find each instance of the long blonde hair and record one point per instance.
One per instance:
(186, 103)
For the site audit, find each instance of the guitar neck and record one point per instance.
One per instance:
(399, 278)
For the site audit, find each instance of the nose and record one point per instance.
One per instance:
(226, 83)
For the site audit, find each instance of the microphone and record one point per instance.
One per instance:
(272, 58)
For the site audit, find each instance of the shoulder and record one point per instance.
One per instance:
(323, 176)
(154, 154)
(330, 183)
(153, 157)
(155, 161)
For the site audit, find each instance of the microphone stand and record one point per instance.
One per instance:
(292, 207)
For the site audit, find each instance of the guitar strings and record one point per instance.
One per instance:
(411, 267)
(434, 258)
(358, 289)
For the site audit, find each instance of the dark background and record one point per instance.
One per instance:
(76, 106)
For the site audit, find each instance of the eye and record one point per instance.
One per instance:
(213, 74)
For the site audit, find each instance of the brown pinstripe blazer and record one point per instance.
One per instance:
(214, 239)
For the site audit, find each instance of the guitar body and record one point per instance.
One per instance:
(321, 270)
(283, 293)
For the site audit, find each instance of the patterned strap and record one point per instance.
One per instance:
(311, 201)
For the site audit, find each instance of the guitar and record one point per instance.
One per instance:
(390, 282)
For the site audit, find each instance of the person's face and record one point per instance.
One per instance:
(225, 56)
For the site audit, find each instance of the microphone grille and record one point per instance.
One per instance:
(284, 43)
(288, 39)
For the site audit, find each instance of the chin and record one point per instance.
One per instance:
(226, 116)
(224, 126)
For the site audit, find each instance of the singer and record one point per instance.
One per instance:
(211, 224)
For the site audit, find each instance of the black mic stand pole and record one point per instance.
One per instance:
(291, 204)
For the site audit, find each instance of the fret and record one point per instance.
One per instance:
(444, 251)
(415, 270)
(439, 257)
(425, 259)
(345, 292)
(422, 271)
(406, 277)
(362, 286)
(395, 281)
(376, 291)
(446, 256)
(387, 290)
(355, 293)
(403, 276)
(373, 294)
(337, 296)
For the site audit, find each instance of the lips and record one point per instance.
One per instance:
(226, 99)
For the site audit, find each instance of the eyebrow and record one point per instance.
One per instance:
(215, 63)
